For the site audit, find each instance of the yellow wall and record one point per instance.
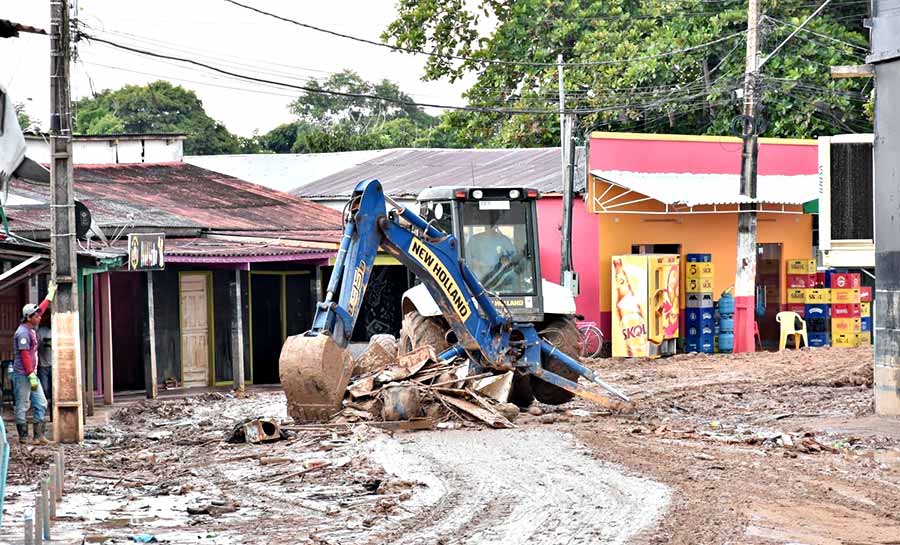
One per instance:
(715, 234)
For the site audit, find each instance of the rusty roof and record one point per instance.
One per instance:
(404, 173)
(179, 196)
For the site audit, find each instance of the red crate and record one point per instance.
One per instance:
(846, 310)
(865, 294)
(799, 308)
(801, 280)
(820, 278)
(845, 281)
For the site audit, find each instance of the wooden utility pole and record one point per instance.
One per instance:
(68, 413)
(745, 272)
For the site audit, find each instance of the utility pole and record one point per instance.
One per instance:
(68, 412)
(885, 58)
(745, 272)
(567, 275)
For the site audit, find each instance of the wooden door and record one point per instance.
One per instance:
(10, 311)
(194, 329)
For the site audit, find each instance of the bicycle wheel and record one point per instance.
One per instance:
(591, 341)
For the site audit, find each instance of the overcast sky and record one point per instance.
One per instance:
(221, 34)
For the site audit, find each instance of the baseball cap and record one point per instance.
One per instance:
(29, 310)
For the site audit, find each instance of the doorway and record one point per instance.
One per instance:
(127, 336)
(196, 334)
(768, 291)
(644, 249)
(281, 305)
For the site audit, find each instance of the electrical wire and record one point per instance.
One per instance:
(808, 31)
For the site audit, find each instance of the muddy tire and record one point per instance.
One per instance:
(520, 394)
(563, 333)
(418, 330)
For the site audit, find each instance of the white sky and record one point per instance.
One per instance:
(222, 35)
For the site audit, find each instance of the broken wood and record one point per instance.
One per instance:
(491, 419)
(405, 425)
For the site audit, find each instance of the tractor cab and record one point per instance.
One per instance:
(498, 240)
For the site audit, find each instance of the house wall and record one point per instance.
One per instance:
(698, 233)
(585, 249)
(111, 150)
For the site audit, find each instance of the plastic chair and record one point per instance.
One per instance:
(788, 321)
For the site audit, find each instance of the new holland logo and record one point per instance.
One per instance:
(356, 288)
(443, 277)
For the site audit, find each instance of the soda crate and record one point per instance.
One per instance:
(801, 266)
(817, 325)
(845, 281)
(799, 308)
(846, 310)
(845, 325)
(801, 281)
(865, 325)
(699, 285)
(865, 294)
(865, 309)
(699, 343)
(816, 310)
(698, 270)
(818, 340)
(698, 258)
(699, 300)
(865, 338)
(845, 340)
(823, 278)
(839, 296)
(818, 295)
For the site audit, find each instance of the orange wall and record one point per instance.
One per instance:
(714, 234)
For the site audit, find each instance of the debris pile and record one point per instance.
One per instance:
(417, 391)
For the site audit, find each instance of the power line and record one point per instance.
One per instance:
(476, 59)
(827, 37)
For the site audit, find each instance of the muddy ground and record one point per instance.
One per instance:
(764, 448)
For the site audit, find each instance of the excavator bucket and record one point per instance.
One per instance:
(314, 373)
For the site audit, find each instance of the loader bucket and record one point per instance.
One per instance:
(314, 373)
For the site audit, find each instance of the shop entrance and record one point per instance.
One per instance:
(768, 291)
(281, 305)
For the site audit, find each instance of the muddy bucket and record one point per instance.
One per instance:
(400, 401)
(314, 373)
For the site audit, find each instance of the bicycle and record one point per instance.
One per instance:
(591, 342)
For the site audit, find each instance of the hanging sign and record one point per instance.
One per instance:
(145, 252)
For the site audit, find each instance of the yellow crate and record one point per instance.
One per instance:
(699, 285)
(844, 296)
(845, 325)
(796, 295)
(865, 309)
(845, 340)
(699, 270)
(801, 266)
(818, 295)
(865, 338)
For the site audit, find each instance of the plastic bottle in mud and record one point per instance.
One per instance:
(631, 316)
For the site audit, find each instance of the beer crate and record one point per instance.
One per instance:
(699, 285)
(845, 310)
(698, 258)
(839, 296)
(699, 270)
(801, 281)
(865, 338)
(865, 294)
(865, 309)
(816, 310)
(699, 300)
(801, 266)
(797, 296)
(845, 281)
(817, 325)
(799, 308)
(818, 340)
(845, 325)
(845, 340)
(865, 324)
(818, 295)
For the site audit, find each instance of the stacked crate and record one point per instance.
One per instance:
(865, 315)
(699, 321)
(809, 297)
(846, 309)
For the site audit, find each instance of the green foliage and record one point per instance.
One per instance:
(158, 107)
(689, 92)
(25, 121)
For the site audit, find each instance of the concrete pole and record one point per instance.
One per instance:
(237, 336)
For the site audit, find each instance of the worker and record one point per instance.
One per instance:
(26, 387)
(45, 359)
(488, 253)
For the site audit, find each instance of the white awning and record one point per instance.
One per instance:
(687, 189)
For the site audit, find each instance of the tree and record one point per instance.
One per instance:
(633, 85)
(156, 107)
(25, 120)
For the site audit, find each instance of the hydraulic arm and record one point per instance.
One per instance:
(314, 366)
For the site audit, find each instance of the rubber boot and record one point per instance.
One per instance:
(23, 433)
(39, 438)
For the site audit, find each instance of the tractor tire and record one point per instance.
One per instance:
(418, 331)
(563, 333)
(520, 394)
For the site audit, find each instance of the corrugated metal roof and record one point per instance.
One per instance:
(283, 171)
(707, 189)
(404, 173)
(178, 195)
